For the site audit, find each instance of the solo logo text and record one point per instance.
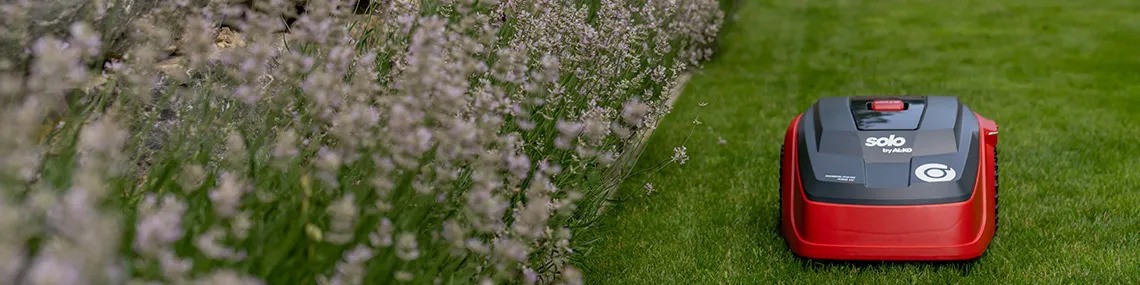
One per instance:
(890, 144)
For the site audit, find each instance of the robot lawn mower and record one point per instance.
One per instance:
(890, 179)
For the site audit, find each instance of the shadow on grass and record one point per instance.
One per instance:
(962, 267)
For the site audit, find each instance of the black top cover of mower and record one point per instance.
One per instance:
(924, 151)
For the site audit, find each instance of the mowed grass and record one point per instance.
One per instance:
(1061, 78)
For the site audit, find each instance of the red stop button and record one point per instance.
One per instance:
(887, 105)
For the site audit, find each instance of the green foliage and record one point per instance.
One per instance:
(1054, 74)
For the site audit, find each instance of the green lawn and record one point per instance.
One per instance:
(1061, 77)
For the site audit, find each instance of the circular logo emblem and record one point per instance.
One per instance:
(935, 172)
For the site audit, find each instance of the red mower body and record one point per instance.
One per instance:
(889, 179)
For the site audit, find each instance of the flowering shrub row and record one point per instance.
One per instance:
(427, 142)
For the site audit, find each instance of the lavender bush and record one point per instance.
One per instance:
(252, 142)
